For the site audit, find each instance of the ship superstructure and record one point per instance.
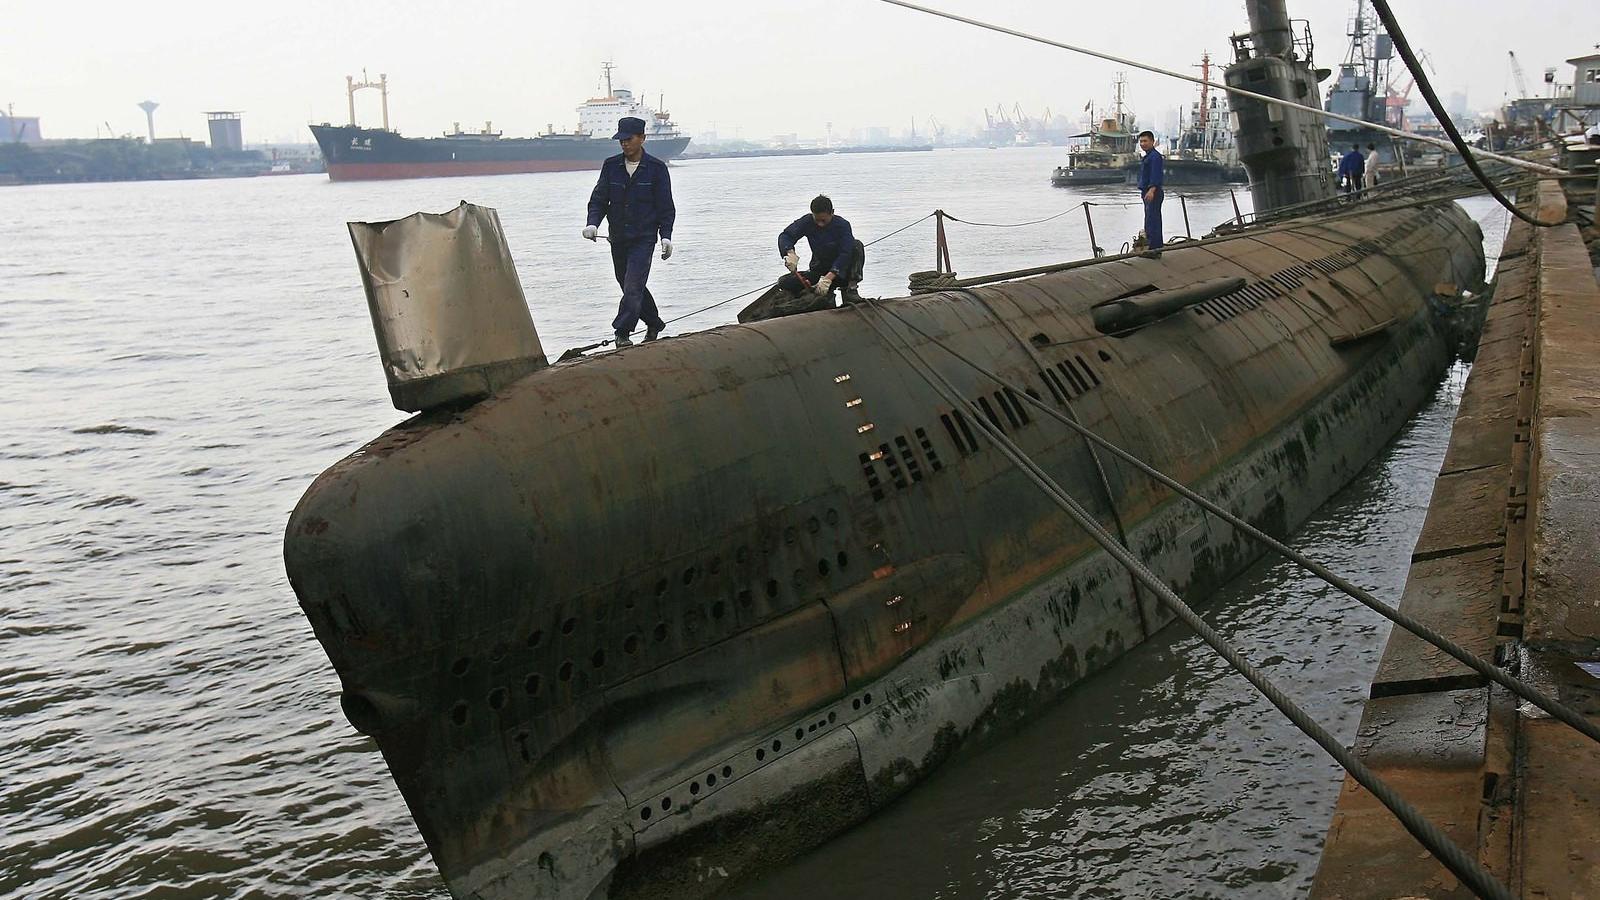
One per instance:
(598, 116)
(1112, 142)
(1203, 150)
(1361, 87)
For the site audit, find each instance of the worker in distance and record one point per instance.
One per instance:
(1152, 189)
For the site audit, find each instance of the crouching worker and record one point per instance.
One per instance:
(836, 256)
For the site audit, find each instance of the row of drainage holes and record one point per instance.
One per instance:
(813, 525)
(694, 788)
(631, 644)
(533, 683)
(498, 697)
(761, 753)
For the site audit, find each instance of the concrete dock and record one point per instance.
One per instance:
(1508, 565)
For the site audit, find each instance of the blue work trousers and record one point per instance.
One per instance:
(631, 260)
(1152, 219)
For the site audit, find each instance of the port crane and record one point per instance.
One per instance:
(1516, 72)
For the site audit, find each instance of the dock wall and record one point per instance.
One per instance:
(1508, 565)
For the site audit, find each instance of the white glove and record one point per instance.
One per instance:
(591, 231)
(825, 283)
(666, 248)
(792, 260)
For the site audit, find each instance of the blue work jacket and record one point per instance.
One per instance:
(1151, 171)
(1352, 165)
(837, 240)
(637, 208)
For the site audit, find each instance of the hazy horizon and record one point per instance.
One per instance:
(854, 63)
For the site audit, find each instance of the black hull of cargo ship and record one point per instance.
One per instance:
(365, 154)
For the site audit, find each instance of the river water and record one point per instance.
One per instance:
(184, 357)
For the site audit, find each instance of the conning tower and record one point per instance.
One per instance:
(1285, 150)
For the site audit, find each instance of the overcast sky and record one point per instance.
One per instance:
(741, 66)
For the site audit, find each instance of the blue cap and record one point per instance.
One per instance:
(628, 125)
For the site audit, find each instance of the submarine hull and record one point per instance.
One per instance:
(646, 623)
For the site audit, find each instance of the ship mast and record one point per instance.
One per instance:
(1120, 85)
(351, 86)
(608, 66)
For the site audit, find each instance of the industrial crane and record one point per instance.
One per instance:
(1395, 103)
(1516, 71)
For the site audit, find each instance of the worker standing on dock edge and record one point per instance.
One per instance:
(1152, 178)
(634, 196)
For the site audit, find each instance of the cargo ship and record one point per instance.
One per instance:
(354, 153)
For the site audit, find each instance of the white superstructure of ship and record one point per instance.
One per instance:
(598, 116)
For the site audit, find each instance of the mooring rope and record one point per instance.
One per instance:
(1466, 657)
(1431, 837)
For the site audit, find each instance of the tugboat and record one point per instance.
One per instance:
(640, 624)
(1203, 152)
(1112, 142)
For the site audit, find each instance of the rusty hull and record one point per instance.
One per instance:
(644, 623)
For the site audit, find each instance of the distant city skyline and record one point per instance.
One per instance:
(526, 69)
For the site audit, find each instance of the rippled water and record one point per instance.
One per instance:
(183, 358)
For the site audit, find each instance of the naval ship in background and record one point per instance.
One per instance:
(644, 623)
(1361, 89)
(354, 153)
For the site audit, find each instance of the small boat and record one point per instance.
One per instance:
(1110, 150)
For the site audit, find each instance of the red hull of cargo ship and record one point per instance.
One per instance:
(377, 171)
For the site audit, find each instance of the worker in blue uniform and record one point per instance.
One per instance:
(836, 256)
(1352, 167)
(634, 196)
(1152, 181)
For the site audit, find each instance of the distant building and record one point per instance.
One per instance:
(875, 134)
(1586, 80)
(227, 133)
(19, 129)
(1578, 106)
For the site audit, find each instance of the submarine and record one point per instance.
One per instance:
(649, 622)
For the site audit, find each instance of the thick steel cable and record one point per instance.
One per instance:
(1264, 98)
(1466, 657)
(1297, 224)
(1392, 26)
(1468, 870)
